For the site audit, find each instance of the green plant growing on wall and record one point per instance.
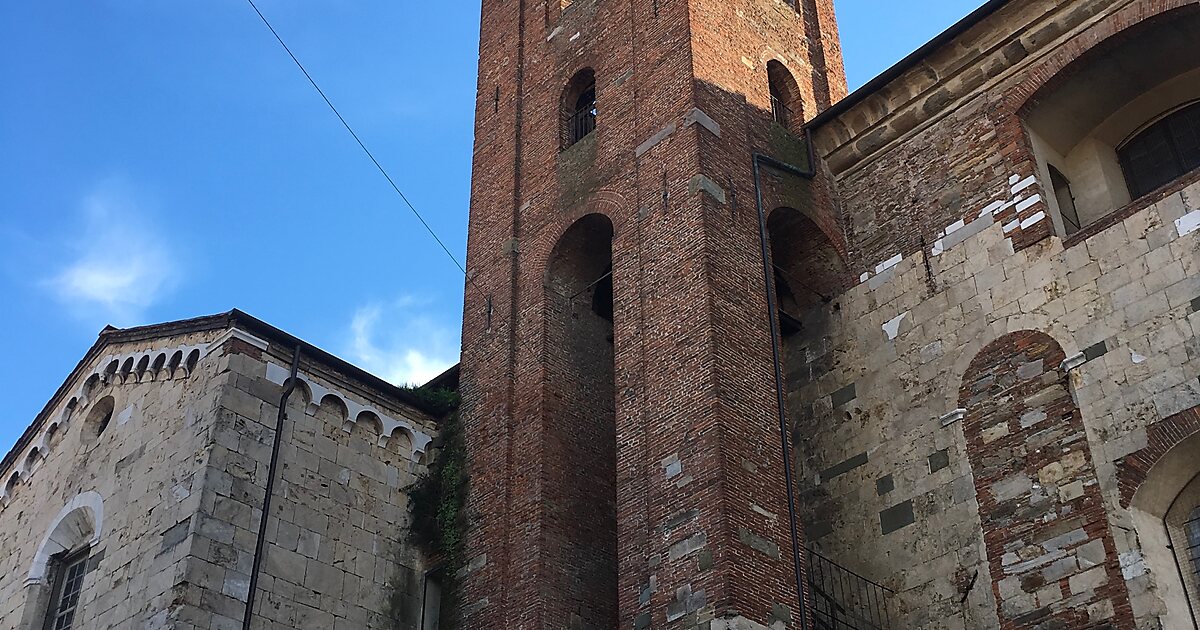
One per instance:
(438, 501)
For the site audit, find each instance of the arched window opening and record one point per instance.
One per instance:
(193, 358)
(579, 108)
(786, 105)
(808, 270)
(808, 273)
(57, 573)
(579, 401)
(1120, 122)
(13, 481)
(1162, 152)
(1165, 511)
(35, 455)
(98, 419)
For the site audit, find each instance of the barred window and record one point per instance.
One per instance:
(579, 108)
(786, 105)
(64, 599)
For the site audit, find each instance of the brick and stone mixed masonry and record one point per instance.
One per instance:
(990, 375)
(978, 279)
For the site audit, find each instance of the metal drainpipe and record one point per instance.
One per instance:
(260, 543)
(776, 356)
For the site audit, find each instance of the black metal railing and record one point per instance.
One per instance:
(580, 124)
(845, 600)
(779, 110)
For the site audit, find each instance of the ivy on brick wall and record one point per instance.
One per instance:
(438, 503)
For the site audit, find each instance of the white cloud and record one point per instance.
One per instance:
(401, 342)
(119, 266)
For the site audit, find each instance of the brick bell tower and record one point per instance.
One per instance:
(619, 399)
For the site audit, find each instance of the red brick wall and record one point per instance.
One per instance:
(579, 559)
(701, 520)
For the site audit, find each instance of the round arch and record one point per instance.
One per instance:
(78, 524)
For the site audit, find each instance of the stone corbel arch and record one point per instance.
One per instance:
(79, 523)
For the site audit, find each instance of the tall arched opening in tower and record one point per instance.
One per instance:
(580, 448)
(809, 273)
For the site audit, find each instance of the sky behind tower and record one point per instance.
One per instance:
(164, 159)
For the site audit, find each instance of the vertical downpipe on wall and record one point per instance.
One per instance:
(513, 306)
(777, 358)
(259, 544)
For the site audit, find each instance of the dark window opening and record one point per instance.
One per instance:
(602, 296)
(583, 120)
(69, 572)
(1066, 200)
(580, 430)
(431, 606)
(1162, 152)
(779, 108)
(786, 104)
(579, 108)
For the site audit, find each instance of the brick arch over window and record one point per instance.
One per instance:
(1049, 70)
(808, 266)
(1018, 148)
(1162, 438)
(1050, 553)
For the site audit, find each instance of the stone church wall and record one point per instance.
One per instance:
(135, 482)
(337, 554)
(970, 416)
(170, 493)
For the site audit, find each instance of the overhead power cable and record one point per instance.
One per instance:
(361, 145)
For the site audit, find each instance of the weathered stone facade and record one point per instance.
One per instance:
(154, 457)
(975, 415)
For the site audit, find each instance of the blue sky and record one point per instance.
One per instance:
(163, 159)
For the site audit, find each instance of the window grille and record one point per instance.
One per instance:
(779, 109)
(583, 120)
(64, 601)
(1162, 152)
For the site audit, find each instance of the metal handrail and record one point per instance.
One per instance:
(580, 124)
(846, 600)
